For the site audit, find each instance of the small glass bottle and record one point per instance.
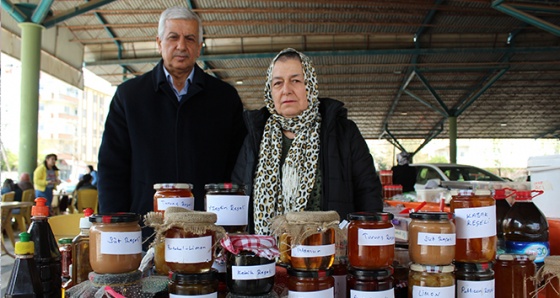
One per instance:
(370, 283)
(474, 279)
(371, 240)
(230, 204)
(431, 238)
(310, 283)
(514, 274)
(65, 248)
(199, 284)
(24, 279)
(431, 281)
(80, 250)
(173, 195)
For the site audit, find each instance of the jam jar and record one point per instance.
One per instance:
(230, 203)
(249, 274)
(431, 238)
(173, 194)
(550, 276)
(371, 240)
(514, 274)
(475, 221)
(115, 243)
(370, 283)
(474, 279)
(431, 281)
(318, 283)
(199, 284)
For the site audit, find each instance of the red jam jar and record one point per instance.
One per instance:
(515, 275)
(310, 283)
(371, 240)
(370, 283)
(173, 195)
(230, 204)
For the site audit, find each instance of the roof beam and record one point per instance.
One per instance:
(70, 13)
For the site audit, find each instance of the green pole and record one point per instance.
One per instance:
(29, 112)
(452, 139)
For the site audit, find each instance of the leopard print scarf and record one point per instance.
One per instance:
(276, 194)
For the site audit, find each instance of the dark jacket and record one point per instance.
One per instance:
(350, 182)
(150, 137)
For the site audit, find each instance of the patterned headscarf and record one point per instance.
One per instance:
(274, 195)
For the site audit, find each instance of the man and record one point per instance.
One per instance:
(174, 124)
(404, 174)
(93, 174)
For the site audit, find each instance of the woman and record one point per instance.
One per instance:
(45, 178)
(302, 153)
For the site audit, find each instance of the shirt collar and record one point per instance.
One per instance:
(179, 93)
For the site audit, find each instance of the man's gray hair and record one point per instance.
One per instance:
(178, 13)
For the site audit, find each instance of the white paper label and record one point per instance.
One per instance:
(376, 237)
(309, 251)
(186, 202)
(475, 222)
(442, 292)
(231, 210)
(369, 294)
(328, 293)
(188, 250)
(211, 295)
(401, 235)
(121, 243)
(478, 289)
(253, 272)
(339, 286)
(433, 239)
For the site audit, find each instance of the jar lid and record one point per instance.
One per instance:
(196, 277)
(431, 215)
(173, 186)
(432, 269)
(223, 186)
(315, 216)
(115, 217)
(516, 257)
(472, 267)
(371, 216)
(310, 274)
(65, 240)
(379, 273)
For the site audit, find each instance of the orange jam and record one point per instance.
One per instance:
(371, 240)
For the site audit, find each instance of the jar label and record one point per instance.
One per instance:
(308, 251)
(373, 294)
(188, 250)
(328, 293)
(476, 222)
(538, 249)
(164, 203)
(339, 286)
(121, 243)
(478, 289)
(443, 292)
(376, 237)
(231, 210)
(211, 295)
(253, 272)
(434, 239)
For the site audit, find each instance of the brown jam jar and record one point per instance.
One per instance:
(310, 284)
(199, 285)
(115, 243)
(230, 203)
(515, 275)
(431, 238)
(371, 240)
(249, 274)
(386, 177)
(475, 222)
(173, 195)
(431, 281)
(370, 283)
(550, 276)
(474, 280)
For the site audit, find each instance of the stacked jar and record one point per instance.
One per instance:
(371, 250)
(431, 247)
(307, 247)
(475, 218)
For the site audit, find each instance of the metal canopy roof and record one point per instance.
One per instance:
(401, 67)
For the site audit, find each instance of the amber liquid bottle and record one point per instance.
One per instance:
(25, 280)
(80, 250)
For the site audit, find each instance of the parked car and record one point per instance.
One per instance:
(432, 175)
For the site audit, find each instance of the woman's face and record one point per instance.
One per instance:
(51, 161)
(288, 88)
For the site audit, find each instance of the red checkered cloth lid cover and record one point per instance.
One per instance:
(261, 245)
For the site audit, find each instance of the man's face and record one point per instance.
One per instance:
(288, 88)
(179, 46)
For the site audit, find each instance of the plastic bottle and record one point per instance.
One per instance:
(526, 228)
(502, 207)
(80, 250)
(47, 255)
(25, 280)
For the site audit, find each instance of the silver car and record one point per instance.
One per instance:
(432, 175)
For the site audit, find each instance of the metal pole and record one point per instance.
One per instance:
(452, 139)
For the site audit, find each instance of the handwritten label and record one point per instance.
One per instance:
(188, 250)
(121, 243)
(433, 239)
(211, 295)
(308, 251)
(328, 293)
(186, 202)
(253, 272)
(475, 222)
(370, 294)
(376, 237)
(478, 289)
(442, 292)
(231, 210)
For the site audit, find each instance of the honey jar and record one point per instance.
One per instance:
(173, 195)
(431, 238)
(230, 204)
(310, 283)
(431, 281)
(371, 240)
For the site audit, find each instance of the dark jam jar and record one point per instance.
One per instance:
(371, 240)
(474, 279)
(249, 274)
(194, 284)
(370, 283)
(316, 283)
(515, 275)
(230, 204)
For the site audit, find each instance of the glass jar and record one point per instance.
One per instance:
(475, 221)
(361, 283)
(386, 177)
(431, 238)
(173, 195)
(231, 205)
(371, 240)
(474, 279)
(389, 191)
(249, 274)
(514, 274)
(550, 276)
(310, 283)
(65, 248)
(198, 284)
(115, 243)
(431, 281)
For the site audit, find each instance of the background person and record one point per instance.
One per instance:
(8, 185)
(93, 174)
(403, 173)
(45, 178)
